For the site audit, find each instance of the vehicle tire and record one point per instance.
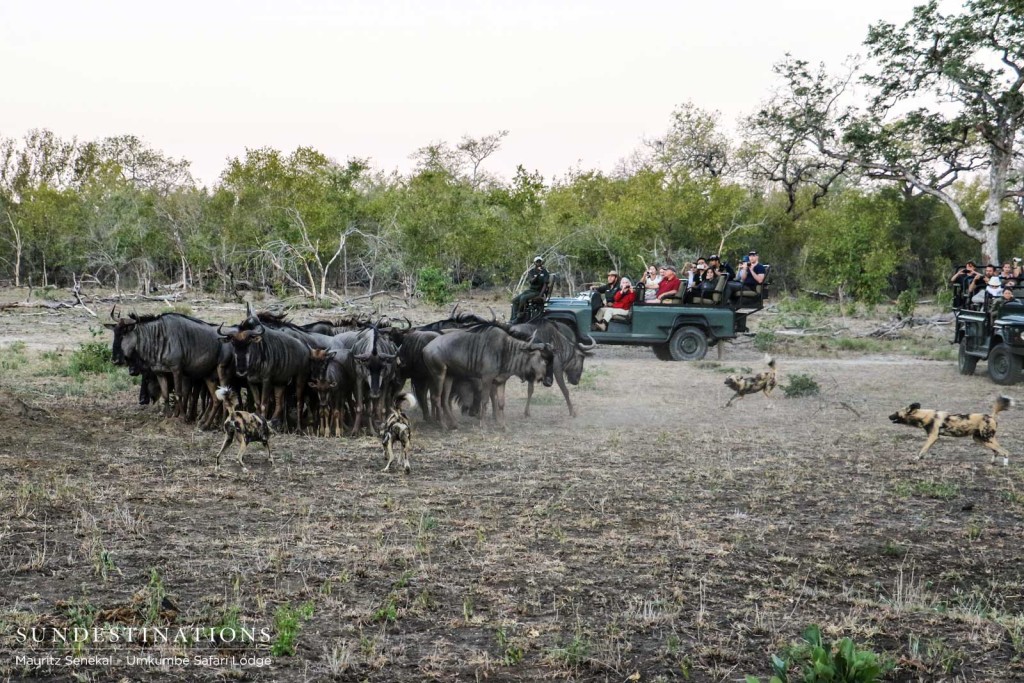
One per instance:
(688, 343)
(661, 352)
(1003, 366)
(964, 361)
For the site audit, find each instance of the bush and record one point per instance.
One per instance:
(764, 340)
(819, 661)
(92, 357)
(435, 286)
(800, 385)
(906, 303)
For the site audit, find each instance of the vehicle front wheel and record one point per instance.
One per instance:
(688, 343)
(965, 362)
(1003, 366)
(661, 352)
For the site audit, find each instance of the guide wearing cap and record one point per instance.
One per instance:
(609, 289)
(537, 279)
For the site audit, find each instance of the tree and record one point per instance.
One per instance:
(970, 64)
(694, 143)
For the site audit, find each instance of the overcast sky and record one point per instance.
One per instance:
(574, 82)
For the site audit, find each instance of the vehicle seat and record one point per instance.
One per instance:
(717, 295)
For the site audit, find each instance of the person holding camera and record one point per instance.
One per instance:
(650, 282)
(620, 306)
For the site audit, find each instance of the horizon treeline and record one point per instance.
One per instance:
(131, 217)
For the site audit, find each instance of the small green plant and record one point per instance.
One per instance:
(819, 661)
(89, 357)
(906, 303)
(81, 615)
(155, 596)
(13, 356)
(511, 654)
(388, 612)
(764, 341)
(288, 622)
(800, 385)
(435, 286)
(574, 654)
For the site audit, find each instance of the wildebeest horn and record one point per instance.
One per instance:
(533, 336)
(248, 309)
(134, 316)
(590, 346)
(112, 309)
(494, 316)
(259, 331)
(408, 323)
(454, 309)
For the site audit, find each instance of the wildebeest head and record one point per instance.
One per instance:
(376, 369)
(574, 366)
(907, 416)
(323, 388)
(122, 328)
(241, 342)
(542, 363)
(318, 360)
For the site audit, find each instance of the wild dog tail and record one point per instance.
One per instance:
(406, 401)
(1003, 403)
(770, 361)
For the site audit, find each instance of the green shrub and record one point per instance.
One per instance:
(819, 661)
(287, 622)
(89, 357)
(13, 356)
(435, 286)
(800, 385)
(906, 303)
(764, 341)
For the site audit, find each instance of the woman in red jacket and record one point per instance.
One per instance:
(621, 305)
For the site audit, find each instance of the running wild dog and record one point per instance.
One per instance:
(936, 423)
(763, 381)
(397, 428)
(242, 426)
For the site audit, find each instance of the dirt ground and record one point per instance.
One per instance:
(657, 536)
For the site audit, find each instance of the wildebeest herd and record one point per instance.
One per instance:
(335, 376)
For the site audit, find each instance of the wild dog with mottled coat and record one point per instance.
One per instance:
(979, 426)
(397, 428)
(242, 426)
(763, 381)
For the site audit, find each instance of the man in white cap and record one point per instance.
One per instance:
(537, 279)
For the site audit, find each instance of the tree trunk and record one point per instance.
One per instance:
(997, 174)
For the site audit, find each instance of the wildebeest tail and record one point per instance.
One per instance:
(1003, 403)
(406, 401)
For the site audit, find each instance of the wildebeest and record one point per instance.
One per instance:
(936, 423)
(372, 363)
(570, 352)
(412, 367)
(489, 353)
(270, 360)
(171, 345)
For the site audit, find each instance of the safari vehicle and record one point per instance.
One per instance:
(993, 335)
(675, 330)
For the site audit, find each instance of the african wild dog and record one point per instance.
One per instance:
(763, 381)
(396, 427)
(242, 425)
(936, 423)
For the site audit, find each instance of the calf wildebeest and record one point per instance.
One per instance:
(570, 352)
(332, 384)
(171, 345)
(489, 353)
(372, 364)
(270, 360)
(397, 428)
(241, 426)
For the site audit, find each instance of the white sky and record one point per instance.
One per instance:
(575, 82)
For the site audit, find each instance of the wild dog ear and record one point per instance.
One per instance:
(914, 406)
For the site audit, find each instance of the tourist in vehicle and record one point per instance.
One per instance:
(537, 280)
(751, 273)
(966, 277)
(670, 285)
(981, 286)
(716, 263)
(1006, 297)
(620, 307)
(609, 288)
(704, 283)
(650, 280)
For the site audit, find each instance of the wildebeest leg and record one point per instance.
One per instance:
(209, 416)
(358, 407)
(270, 456)
(498, 398)
(227, 441)
(933, 436)
(422, 396)
(165, 392)
(300, 403)
(529, 395)
(280, 408)
(560, 378)
(263, 399)
(179, 389)
(448, 417)
(996, 449)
